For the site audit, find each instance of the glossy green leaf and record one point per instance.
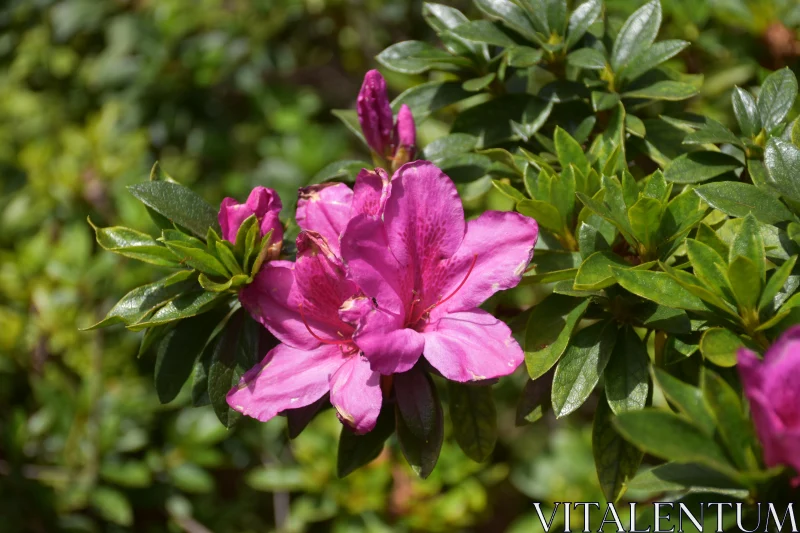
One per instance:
(776, 282)
(178, 204)
(746, 112)
(695, 167)
(570, 152)
(675, 477)
(782, 160)
(748, 242)
(355, 451)
(650, 57)
(615, 459)
(188, 304)
(645, 220)
(746, 283)
(548, 331)
(581, 18)
(733, 426)
(687, 399)
(509, 13)
(134, 244)
(484, 31)
(637, 34)
(595, 271)
(523, 56)
(197, 258)
(474, 418)
(709, 267)
(719, 346)
(552, 265)
(626, 376)
(534, 399)
(776, 97)
(658, 287)
(671, 437)
(427, 98)
(545, 214)
(712, 132)
(453, 144)
(478, 84)
(587, 58)
(738, 199)
(581, 366)
(419, 419)
(663, 90)
(416, 57)
(603, 101)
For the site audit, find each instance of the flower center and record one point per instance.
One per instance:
(347, 346)
(418, 320)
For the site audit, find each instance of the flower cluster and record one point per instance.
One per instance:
(387, 281)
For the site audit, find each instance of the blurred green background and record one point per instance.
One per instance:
(229, 94)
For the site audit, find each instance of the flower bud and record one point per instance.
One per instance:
(375, 113)
(773, 388)
(406, 137)
(264, 203)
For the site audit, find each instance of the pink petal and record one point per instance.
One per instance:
(424, 217)
(287, 378)
(372, 266)
(470, 346)
(356, 394)
(387, 344)
(325, 209)
(500, 244)
(375, 113)
(768, 428)
(371, 190)
(262, 202)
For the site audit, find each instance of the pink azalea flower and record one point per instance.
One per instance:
(773, 388)
(262, 202)
(426, 271)
(388, 140)
(312, 308)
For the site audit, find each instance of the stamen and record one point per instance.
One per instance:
(460, 285)
(320, 339)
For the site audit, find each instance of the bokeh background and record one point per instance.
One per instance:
(229, 94)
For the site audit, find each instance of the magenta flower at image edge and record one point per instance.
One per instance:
(395, 141)
(438, 290)
(262, 202)
(772, 387)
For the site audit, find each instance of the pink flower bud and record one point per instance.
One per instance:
(405, 128)
(262, 202)
(375, 113)
(772, 386)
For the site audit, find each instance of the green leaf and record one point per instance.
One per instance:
(744, 107)
(734, 428)
(709, 267)
(545, 214)
(478, 84)
(548, 331)
(133, 474)
(698, 289)
(749, 243)
(581, 18)
(712, 132)
(508, 191)
(776, 98)
(349, 117)
(420, 421)
(427, 98)
(491, 121)
(141, 301)
(533, 117)
(709, 237)
(595, 271)
(587, 58)
(453, 144)
(346, 170)
(112, 505)
(645, 220)
(188, 304)
(650, 57)
(474, 418)
(532, 401)
(603, 101)
(675, 477)
(581, 366)
(484, 31)
(570, 152)
(523, 56)
(197, 258)
(635, 126)
(552, 265)
(510, 14)
(637, 34)
(671, 437)
(615, 459)
(695, 167)
(782, 160)
(235, 352)
(687, 399)
(179, 204)
(191, 478)
(134, 244)
(658, 287)
(663, 90)
(626, 376)
(416, 57)
(776, 282)
(719, 346)
(356, 451)
(746, 283)
(177, 353)
(738, 199)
